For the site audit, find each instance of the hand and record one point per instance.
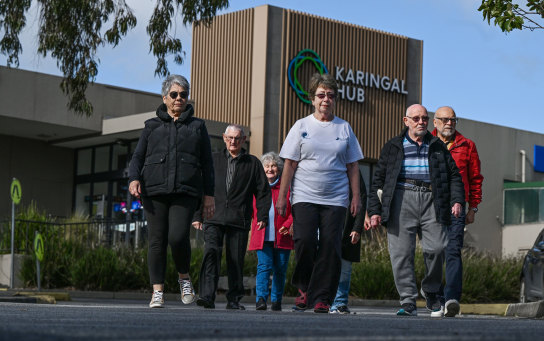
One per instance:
(367, 225)
(355, 236)
(134, 188)
(261, 225)
(355, 206)
(375, 221)
(470, 217)
(208, 207)
(197, 225)
(456, 210)
(281, 206)
(284, 230)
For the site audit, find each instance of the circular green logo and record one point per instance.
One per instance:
(301, 57)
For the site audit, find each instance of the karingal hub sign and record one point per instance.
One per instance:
(351, 83)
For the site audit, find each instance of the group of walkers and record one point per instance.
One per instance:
(310, 198)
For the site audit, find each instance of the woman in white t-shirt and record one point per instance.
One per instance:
(321, 156)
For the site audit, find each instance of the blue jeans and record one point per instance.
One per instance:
(271, 260)
(454, 264)
(342, 293)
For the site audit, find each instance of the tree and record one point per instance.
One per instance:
(510, 16)
(71, 31)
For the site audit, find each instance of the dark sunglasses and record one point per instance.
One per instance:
(330, 95)
(182, 94)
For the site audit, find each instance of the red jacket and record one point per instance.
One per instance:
(466, 158)
(281, 241)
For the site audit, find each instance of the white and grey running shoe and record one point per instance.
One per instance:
(187, 291)
(157, 301)
(452, 308)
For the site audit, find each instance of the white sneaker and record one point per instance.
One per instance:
(438, 313)
(452, 308)
(156, 300)
(187, 291)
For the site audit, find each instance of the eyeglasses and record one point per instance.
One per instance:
(447, 119)
(233, 138)
(175, 94)
(416, 119)
(330, 95)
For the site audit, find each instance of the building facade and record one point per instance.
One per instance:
(252, 67)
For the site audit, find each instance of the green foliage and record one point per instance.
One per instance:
(72, 31)
(510, 16)
(488, 278)
(72, 262)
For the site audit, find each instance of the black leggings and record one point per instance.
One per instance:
(169, 220)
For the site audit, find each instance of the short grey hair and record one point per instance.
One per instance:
(174, 79)
(272, 157)
(235, 127)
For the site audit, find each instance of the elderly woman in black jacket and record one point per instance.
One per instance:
(172, 171)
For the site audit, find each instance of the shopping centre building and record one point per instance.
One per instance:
(252, 67)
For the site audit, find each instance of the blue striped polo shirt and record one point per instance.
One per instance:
(415, 165)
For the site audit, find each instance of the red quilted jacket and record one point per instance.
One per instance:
(466, 158)
(281, 241)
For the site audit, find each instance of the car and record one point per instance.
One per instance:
(532, 273)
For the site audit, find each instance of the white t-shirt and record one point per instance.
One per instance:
(322, 150)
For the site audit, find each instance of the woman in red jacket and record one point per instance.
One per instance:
(274, 242)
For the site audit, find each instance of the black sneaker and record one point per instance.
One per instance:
(276, 306)
(407, 309)
(432, 301)
(343, 309)
(206, 303)
(261, 304)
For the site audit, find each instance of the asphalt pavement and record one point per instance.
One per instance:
(528, 310)
(130, 319)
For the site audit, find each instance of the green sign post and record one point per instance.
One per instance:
(38, 251)
(15, 194)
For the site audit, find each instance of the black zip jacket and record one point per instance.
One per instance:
(173, 156)
(352, 252)
(235, 207)
(447, 184)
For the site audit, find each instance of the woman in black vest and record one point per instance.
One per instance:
(172, 171)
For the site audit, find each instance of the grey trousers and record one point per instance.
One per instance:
(412, 214)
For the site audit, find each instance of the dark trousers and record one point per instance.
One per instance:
(318, 261)
(169, 222)
(454, 263)
(236, 244)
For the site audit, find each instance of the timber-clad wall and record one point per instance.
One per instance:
(379, 117)
(224, 56)
(221, 68)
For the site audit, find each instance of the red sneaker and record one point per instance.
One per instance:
(301, 301)
(321, 307)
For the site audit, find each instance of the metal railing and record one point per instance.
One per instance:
(93, 233)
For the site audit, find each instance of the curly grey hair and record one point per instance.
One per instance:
(174, 79)
(272, 157)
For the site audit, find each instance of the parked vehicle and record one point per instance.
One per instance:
(532, 273)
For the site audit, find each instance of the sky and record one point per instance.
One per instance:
(483, 73)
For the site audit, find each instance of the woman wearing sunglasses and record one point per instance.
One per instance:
(321, 156)
(172, 171)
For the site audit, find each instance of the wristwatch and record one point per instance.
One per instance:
(475, 209)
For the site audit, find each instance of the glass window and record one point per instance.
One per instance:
(84, 158)
(100, 197)
(102, 159)
(83, 192)
(522, 206)
(120, 155)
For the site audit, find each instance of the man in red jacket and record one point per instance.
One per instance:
(466, 158)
